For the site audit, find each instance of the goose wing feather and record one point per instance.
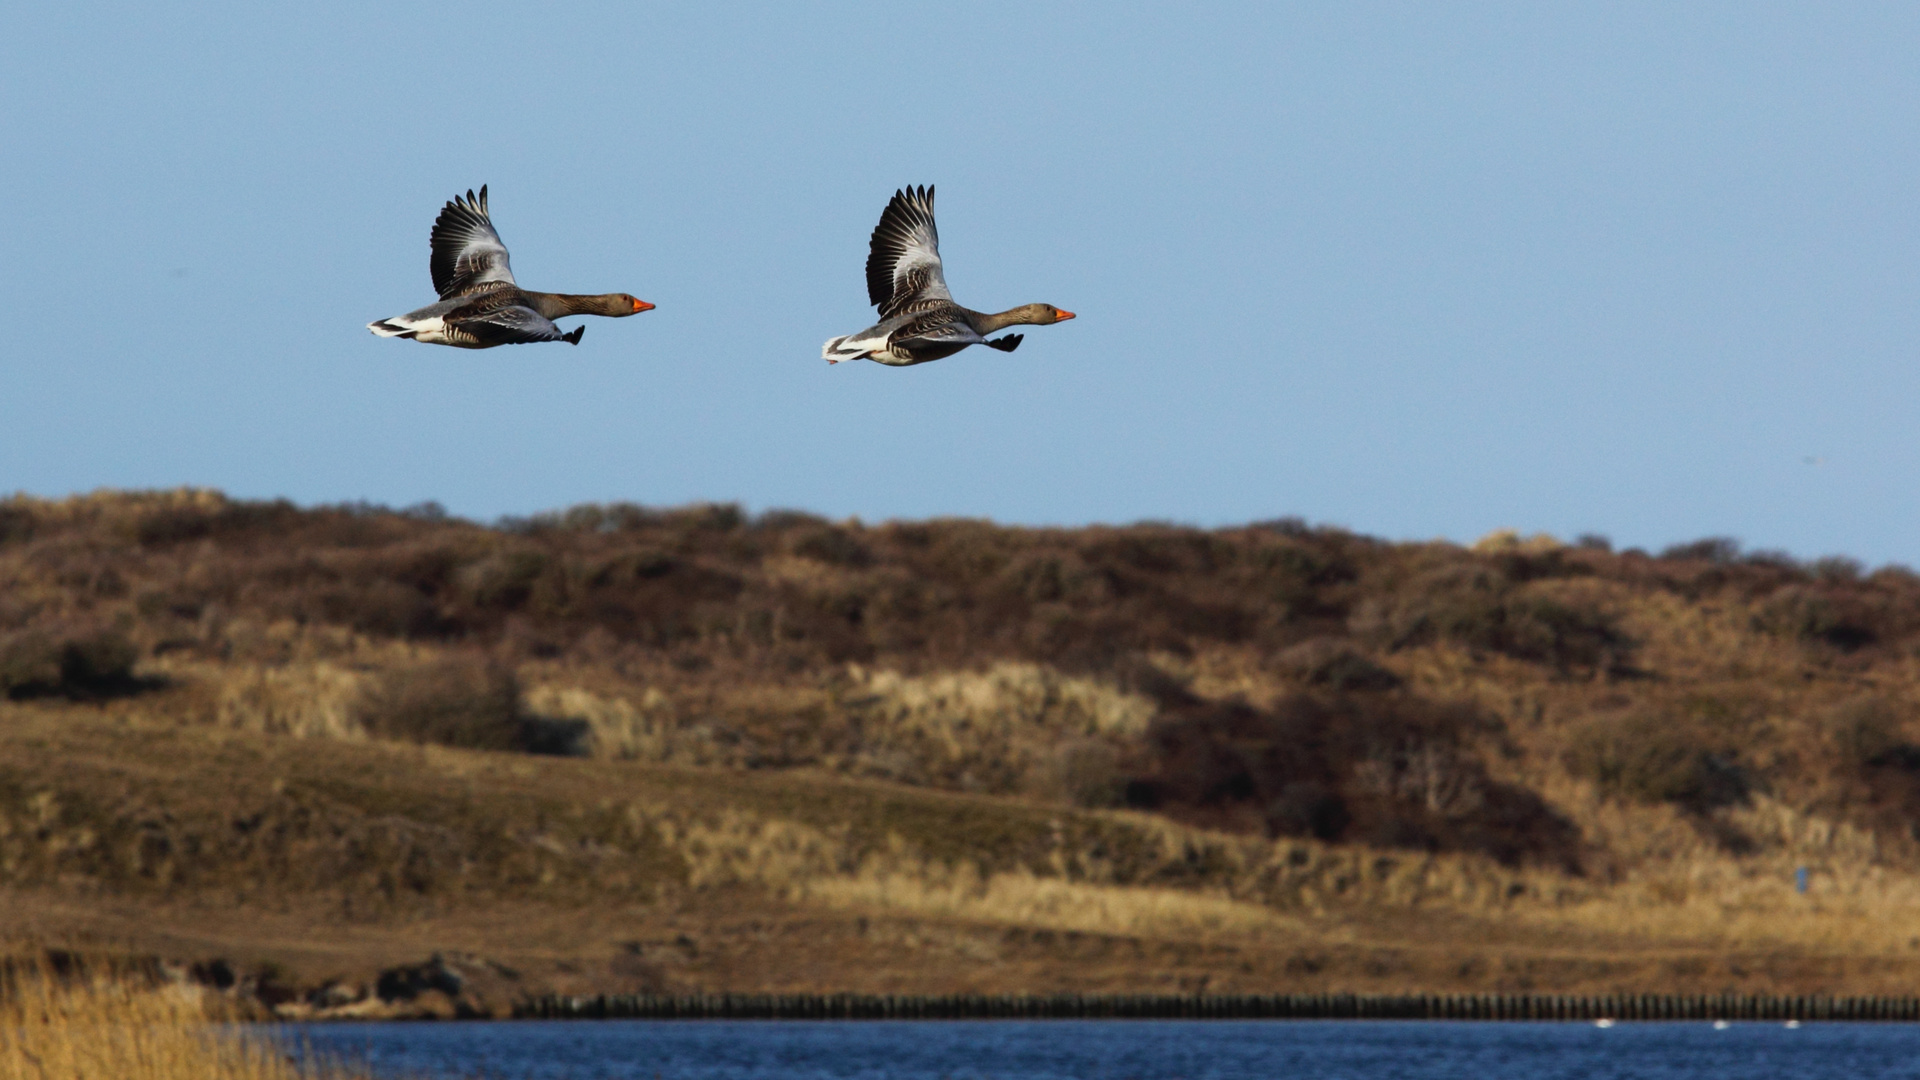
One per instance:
(467, 253)
(936, 327)
(507, 324)
(903, 257)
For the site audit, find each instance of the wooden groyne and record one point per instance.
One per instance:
(1219, 1007)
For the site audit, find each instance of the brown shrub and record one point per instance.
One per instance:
(177, 522)
(696, 581)
(1844, 619)
(1866, 731)
(457, 701)
(1659, 757)
(71, 661)
(1088, 773)
(1876, 779)
(1720, 550)
(1393, 771)
(503, 580)
(1479, 606)
(16, 524)
(1331, 663)
(829, 544)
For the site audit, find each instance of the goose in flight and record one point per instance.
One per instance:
(918, 319)
(480, 304)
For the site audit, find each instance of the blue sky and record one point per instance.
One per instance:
(1646, 270)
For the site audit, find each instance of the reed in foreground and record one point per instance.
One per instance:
(75, 1027)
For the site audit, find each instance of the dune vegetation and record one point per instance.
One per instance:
(72, 1023)
(438, 764)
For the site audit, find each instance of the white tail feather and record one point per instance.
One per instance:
(430, 330)
(836, 350)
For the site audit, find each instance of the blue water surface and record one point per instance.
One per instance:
(1117, 1050)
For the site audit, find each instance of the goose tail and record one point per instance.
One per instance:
(391, 328)
(839, 349)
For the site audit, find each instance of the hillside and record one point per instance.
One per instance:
(621, 749)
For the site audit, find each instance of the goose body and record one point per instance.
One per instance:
(919, 320)
(480, 304)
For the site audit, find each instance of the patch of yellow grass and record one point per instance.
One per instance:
(1007, 699)
(109, 503)
(735, 848)
(1179, 883)
(103, 1029)
(638, 728)
(1676, 886)
(1023, 899)
(307, 699)
(1510, 540)
(1012, 727)
(811, 865)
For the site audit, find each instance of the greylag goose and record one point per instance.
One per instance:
(480, 304)
(918, 319)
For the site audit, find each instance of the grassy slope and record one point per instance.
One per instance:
(897, 759)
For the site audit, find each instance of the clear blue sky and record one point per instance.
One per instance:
(1647, 270)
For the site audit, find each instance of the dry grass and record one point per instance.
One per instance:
(1011, 728)
(643, 727)
(303, 699)
(76, 1027)
(1129, 869)
(432, 834)
(1025, 900)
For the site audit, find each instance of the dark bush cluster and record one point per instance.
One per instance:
(1385, 769)
(787, 592)
(1333, 664)
(708, 583)
(1720, 550)
(1878, 763)
(222, 519)
(462, 701)
(1484, 605)
(1869, 731)
(69, 661)
(1847, 619)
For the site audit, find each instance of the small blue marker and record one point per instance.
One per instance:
(1800, 880)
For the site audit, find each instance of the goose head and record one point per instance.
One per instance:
(614, 305)
(1040, 314)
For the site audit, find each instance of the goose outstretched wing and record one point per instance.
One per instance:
(467, 253)
(903, 258)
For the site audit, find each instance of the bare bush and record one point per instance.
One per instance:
(306, 700)
(1867, 731)
(1391, 771)
(1331, 663)
(456, 701)
(1844, 620)
(71, 661)
(1659, 757)
(1479, 606)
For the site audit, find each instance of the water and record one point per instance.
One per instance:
(1119, 1050)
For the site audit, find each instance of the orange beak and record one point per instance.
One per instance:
(1063, 316)
(640, 306)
